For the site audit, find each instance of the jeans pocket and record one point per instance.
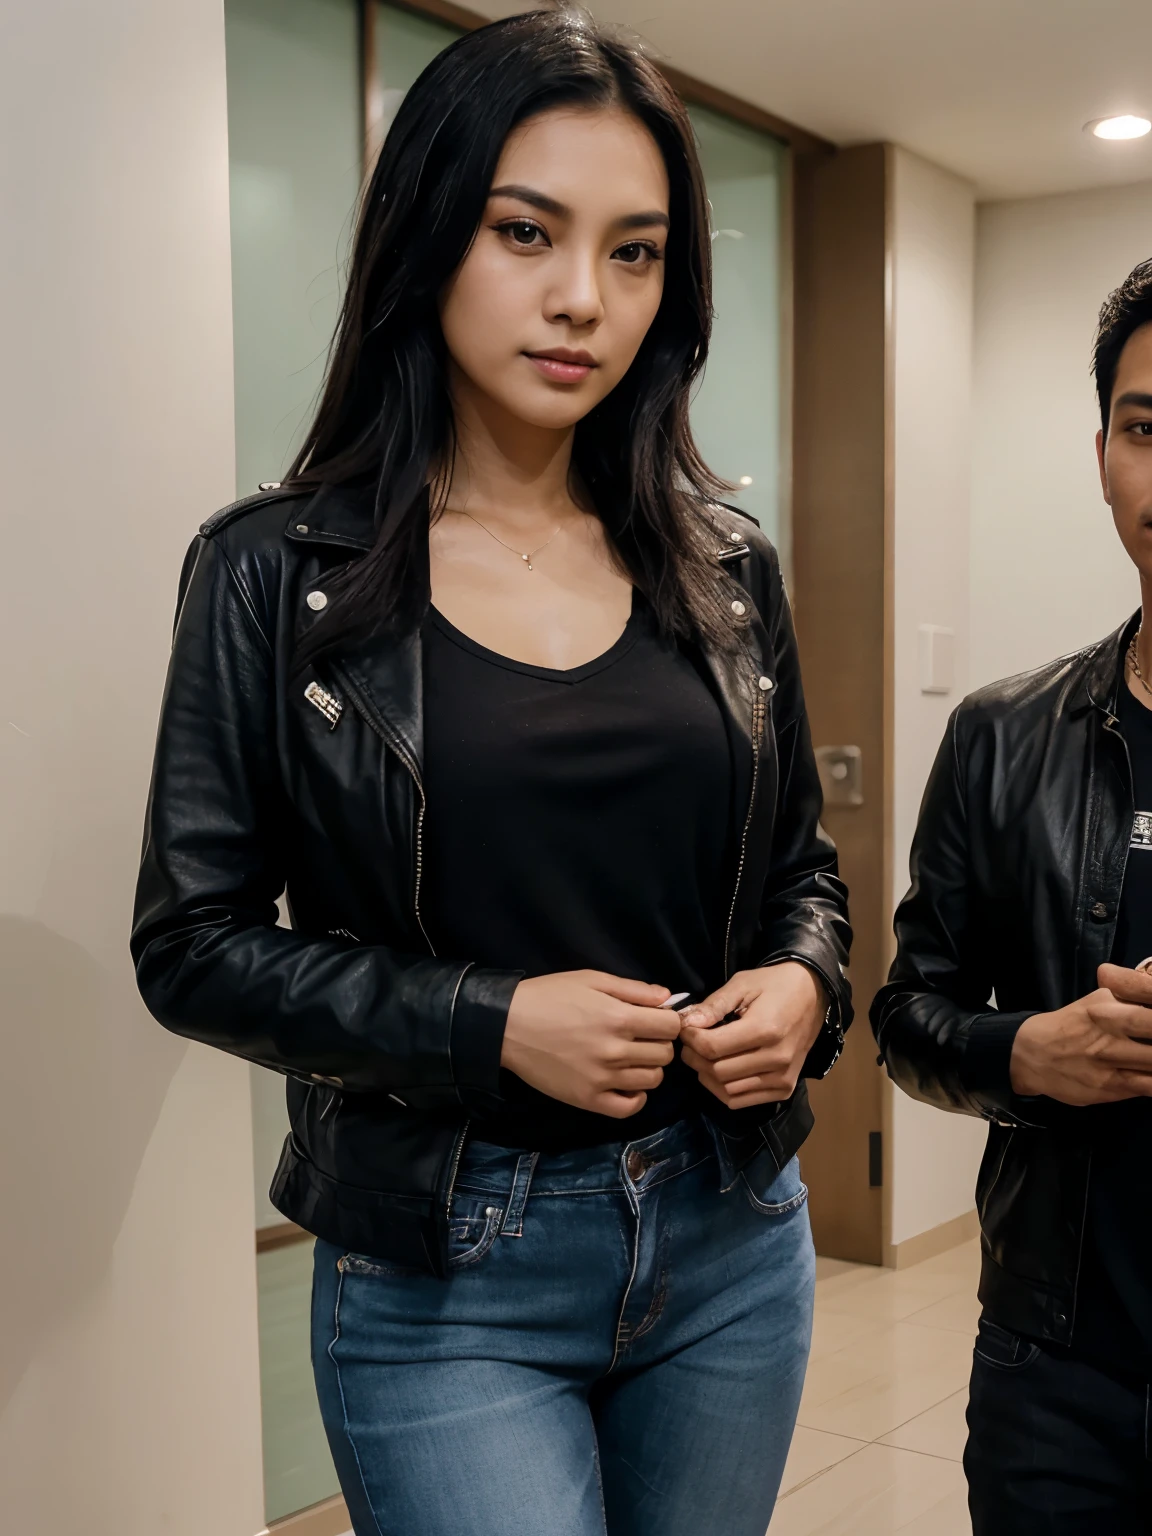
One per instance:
(775, 1193)
(473, 1226)
(1002, 1349)
(377, 1269)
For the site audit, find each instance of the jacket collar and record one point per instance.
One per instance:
(343, 515)
(1102, 676)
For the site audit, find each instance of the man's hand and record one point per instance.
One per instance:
(596, 1041)
(758, 1057)
(1097, 1050)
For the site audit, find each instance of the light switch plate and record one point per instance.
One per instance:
(937, 659)
(841, 772)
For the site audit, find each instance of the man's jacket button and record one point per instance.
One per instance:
(317, 600)
(1099, 911)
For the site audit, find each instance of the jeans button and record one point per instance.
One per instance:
(636, 1164)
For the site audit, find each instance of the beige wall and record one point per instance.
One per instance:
(128, 1373)
(1047, 571)
(933, 1157)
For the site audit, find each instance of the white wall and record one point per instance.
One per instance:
(1047, 571)
(933, 1157)
(128, 1373)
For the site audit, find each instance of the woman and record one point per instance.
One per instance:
(511, 710)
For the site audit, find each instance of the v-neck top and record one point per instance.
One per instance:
(577, 819)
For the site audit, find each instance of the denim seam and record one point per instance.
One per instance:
(632, 1201)
(608, 1189)
(344, 1405)
(783, 1208)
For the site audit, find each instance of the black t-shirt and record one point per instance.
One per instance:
(577, 819)
(1113, 1321)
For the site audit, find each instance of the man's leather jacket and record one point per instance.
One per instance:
(1017, 869)
(267, 781)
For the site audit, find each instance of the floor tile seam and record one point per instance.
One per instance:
(941, 1328)
(926, 1455)
(861, 1445)
(948, 1396)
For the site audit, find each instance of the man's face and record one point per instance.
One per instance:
(1126, 453)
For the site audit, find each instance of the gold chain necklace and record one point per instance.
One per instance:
(1134, 663)
(527, 558)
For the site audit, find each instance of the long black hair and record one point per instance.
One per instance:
(385, 418)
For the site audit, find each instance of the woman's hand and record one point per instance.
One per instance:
(757, 1059)
(589, 1039)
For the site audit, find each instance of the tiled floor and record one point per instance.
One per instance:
(881, 1431)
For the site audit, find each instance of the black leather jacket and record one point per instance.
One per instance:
(1017, 869)
(265, 783)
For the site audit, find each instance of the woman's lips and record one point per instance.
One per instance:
(562, 370)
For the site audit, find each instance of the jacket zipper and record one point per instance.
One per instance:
(759, 711)
(402, 753)
(457, 1154)
(1110, 724)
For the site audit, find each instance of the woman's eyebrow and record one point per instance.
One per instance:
(548, 204)
(539, 200)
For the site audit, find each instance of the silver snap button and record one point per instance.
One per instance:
(735, 538)
(301, 527)
(268, 485)
(317, 600)
(765, 685)
(739, 609)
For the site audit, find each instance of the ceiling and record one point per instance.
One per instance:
(996, 90)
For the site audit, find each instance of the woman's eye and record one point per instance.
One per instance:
(636, 253)
(522, 231)
(1143, 428)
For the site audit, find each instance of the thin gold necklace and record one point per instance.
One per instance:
(527, 558)
(1134, 663)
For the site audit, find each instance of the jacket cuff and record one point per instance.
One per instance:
(985, 1065)
(828, 1044)
(479, 1016)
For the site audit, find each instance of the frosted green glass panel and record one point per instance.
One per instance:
(405, 45)
(736, 415)
(294, 125)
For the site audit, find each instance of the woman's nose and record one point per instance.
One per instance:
(575, 295)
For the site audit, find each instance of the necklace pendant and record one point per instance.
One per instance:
(529, 562)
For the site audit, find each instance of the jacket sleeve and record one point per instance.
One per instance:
(211, 962)
(804, 914)
(939, 1039)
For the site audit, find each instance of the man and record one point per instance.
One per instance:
(1017, 994)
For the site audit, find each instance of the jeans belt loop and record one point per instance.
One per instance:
(513, 1223)
(729, 1173)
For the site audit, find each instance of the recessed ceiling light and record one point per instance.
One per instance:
(1125, 127)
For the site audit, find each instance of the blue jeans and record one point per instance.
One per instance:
(619, 1348)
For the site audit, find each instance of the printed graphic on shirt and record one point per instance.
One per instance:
(1142, 831)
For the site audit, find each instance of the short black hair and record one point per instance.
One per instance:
(1124, 311)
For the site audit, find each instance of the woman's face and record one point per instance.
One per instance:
(548, 309)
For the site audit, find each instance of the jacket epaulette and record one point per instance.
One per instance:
(270, 490)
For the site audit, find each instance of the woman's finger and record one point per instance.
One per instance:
(717, 1005)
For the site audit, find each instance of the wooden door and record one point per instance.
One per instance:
(841, 532)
